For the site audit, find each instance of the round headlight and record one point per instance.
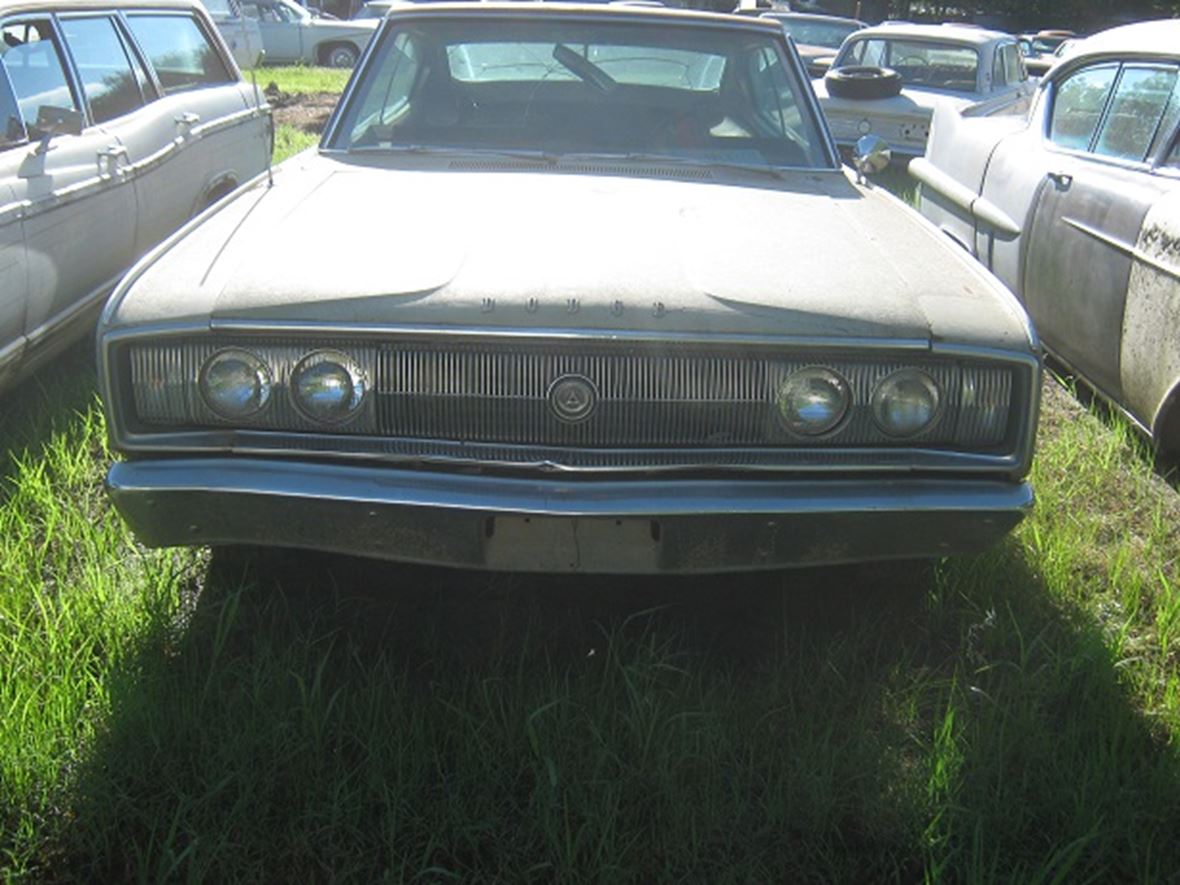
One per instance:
(327, 387)
(905, 403)
(235, 383)
(813, 401)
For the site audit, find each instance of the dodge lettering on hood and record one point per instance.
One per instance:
(571, 288)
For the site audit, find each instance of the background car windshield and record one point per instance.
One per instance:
(561, 86)
(920, 62)
(813, 33)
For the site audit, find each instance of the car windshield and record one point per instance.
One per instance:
(816, 33)
(925, 63)
(643, 89)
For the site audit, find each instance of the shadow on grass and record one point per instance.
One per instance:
(326, 718)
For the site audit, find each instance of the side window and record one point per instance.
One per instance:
(999, 71)
(33, 60)
(12, 127)
(1166, 133)
(1013, 65)
(1140, 100)
(387, 100)
(866, 52)
(108, 79)
(179, 51)
(1078, 104)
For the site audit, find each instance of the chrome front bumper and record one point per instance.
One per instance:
(560, 524)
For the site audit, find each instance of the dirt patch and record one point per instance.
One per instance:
(307, 111)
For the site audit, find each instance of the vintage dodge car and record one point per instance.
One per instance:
(588, 290)
(1077, 208)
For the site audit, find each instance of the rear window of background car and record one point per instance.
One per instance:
(179, 51)
(112, 86)
(34, 64)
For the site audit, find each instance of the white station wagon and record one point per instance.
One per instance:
(887, 81)
(123, 121)
(537, 344)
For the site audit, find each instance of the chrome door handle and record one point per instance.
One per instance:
(187, 120)
(110, 157)
(1061, 180)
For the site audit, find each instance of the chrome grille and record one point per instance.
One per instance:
(658, 405)
(483, 394)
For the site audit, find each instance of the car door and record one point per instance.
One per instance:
(200, 136)
(281, 30)
(13, 267)
(1087, 217)
(79, 211)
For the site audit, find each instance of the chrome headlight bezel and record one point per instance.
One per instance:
(920, 384)
(799, 390)
(354, 388)
(262, 376)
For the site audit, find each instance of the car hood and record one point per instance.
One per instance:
(347, 243)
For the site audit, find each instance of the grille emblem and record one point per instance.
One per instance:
(572, 398)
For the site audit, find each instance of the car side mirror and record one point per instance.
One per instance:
(872, 155)
(53, 120)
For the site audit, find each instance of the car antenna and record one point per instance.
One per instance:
(270, 176)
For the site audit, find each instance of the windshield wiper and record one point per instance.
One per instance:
(453, 151)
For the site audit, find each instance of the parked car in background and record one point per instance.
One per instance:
(1041, 50)
(124, 121)
(376, 9)
(292, 34)
(888, 80)
(584, 374)
(817, 37)
(1077, 208)
(241, 34)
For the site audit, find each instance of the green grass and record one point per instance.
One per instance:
(176, 715)
(300, 79)
(168, 715)
(290, 140)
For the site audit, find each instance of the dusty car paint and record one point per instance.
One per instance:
(567, 364)
(1088, 240)
(78, 207)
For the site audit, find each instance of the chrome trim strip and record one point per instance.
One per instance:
(86, 302)
(1124, 247)
(964, 197)
(281, 327)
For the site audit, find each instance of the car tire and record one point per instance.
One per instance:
(340, 55)
(862, 81)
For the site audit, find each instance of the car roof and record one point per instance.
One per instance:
(812, 17)
(542, 8)
(1159, 37)
(8, 7)
(951, 33)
